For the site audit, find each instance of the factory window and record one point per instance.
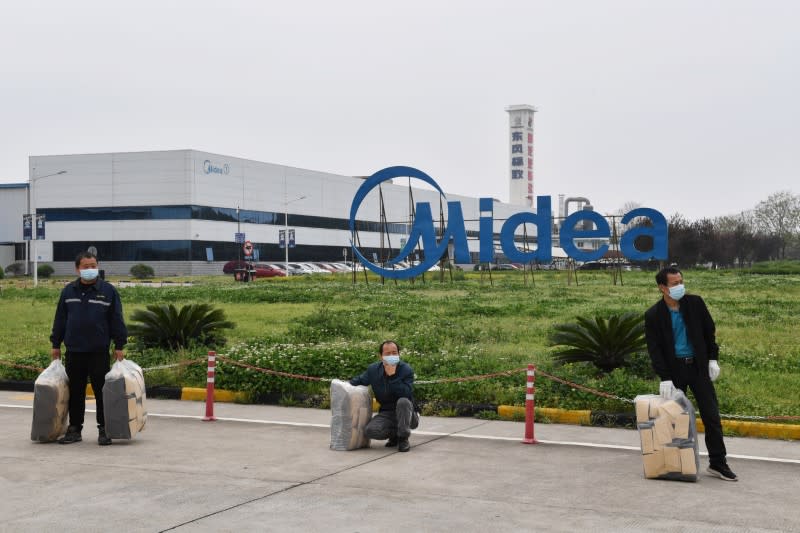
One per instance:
(217, 214)
(178, 250)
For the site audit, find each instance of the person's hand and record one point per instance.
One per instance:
(56, 353)
(119, 355)
(713, 370)
(389, 369)
(666, 389)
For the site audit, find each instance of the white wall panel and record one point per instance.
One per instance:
(87, 182)
(151, 178)
(13, 204)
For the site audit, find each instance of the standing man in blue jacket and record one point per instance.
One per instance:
(88, 318)
(681, 340)
(392, 382)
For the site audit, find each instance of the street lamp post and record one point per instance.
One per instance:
(35, 223)
(286, 230)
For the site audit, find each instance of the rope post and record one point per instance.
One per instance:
(212, 363)
(530, 391)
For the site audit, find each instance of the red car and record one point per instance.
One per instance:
(261, 270)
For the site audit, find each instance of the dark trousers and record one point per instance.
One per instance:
(706, 397)
(393, 424)
(80, 367)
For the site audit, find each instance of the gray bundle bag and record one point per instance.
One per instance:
(351, 409)
(50, 403)
(124, 400)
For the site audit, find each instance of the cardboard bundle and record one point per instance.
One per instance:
(351, 409)
(668, 436)
(124, 400)
(50, 403)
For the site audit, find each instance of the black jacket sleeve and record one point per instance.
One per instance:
(59, 323)
(119, 333)
(657, 343)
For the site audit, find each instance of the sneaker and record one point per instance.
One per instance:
(73, 435)
(403, 445)
(391, 443)
(102, 439)
(722, 471)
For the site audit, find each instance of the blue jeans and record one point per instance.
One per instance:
(393, 424)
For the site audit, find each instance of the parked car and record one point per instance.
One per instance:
(298, 269)
(261, 270)
(315, 269)
(268, 271)
(339, 267)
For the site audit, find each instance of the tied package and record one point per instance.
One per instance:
(351, 409)
(123, 400)
(50, 403)
(668, 434)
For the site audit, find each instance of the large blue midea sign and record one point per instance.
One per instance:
(423, 230)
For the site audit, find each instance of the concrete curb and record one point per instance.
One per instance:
(764, 430)
(740, 428)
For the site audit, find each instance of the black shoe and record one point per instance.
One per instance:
(73, 435)
(722, 471)
(102, 439)
(391, 443)
(403, 445)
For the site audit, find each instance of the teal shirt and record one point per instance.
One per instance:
(683, 348)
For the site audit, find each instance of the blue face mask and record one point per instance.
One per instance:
(391, 359)
(89, 274)
(676, 292)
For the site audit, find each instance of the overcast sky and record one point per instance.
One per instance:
(682, 106)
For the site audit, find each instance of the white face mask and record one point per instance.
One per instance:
(676, 292)
(391, 359)
(89, 274)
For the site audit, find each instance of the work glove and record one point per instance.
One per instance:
(666, 389)
(713, 370)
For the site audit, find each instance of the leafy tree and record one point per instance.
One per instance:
(684, 242)
(779, 216)
(167, 327)
(142, 271)
(606, 343)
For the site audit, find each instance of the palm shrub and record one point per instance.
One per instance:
(166, 326)
(606, 343)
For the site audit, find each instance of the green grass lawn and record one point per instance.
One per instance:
(329, 327)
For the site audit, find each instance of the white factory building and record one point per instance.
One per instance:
(179, 210)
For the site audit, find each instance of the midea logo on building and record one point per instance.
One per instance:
(211, 168)
(424, 231)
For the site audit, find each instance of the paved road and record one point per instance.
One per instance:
(268, 468)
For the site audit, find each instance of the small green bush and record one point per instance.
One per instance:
(142, 271)
(2, 275)
(16, 269)
(45, 271)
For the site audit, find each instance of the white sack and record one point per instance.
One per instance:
(50, 403)
(351, 409)
(124, 400)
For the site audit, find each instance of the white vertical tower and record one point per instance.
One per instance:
(520, 154)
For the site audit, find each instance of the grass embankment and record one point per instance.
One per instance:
(330, 328)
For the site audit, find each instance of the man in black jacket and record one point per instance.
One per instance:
(392, 383)
(88, 318)
(681, 340)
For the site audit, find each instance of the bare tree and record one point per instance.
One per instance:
(779, 216)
